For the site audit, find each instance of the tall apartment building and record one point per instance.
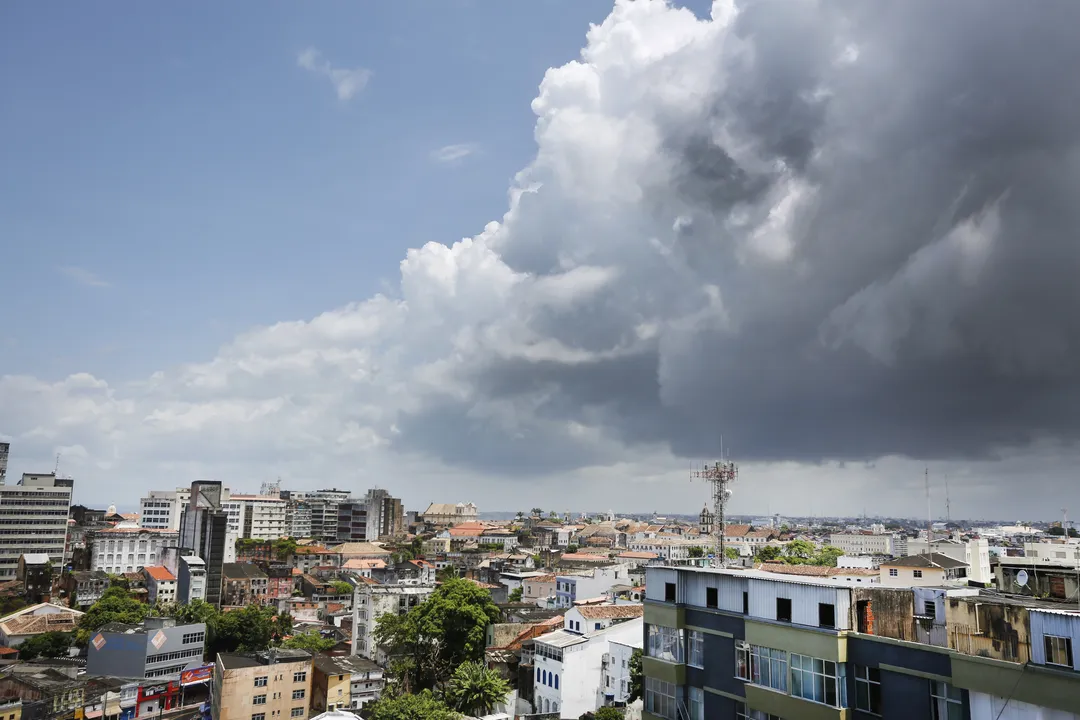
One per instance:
(261, 517)
(5, 448)
(725, 643)
(376, 516)
(34, 519)
(270, 685)
(374, 601)
(298, 518)
(160, 509)
(323, 508)
(123, 550)
(204, 532)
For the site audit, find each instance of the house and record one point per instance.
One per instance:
(360, 551)
(447, 514)
(34, 571)
(274, 684)
(590, 618)
(588, 584)
(85, 587)
(933, 569)
(540, 589)
(160, 584)
(35, 620)
(306, 557)
(347, 682)
(506, 539)
(242, 584)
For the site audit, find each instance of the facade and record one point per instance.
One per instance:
(615, 668)
(204, 532)
(159, 648)
(122, 550)
(348, 682)
(34, 514)
(372, 602)
(352, 522)
(160, 584)
(262, 517)
(317, 512)
(271, 685)
(86, 586)
(34, 571)
(161, 509)
(740, 644)
(243, 584)
(933, 569)
(864, 543)
(298, 519)
(975, 553)
(587, 585)
(449, 514)
(191, 579)
(539, 590)
(385, 514)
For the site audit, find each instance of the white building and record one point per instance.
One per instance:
(864, 543)
(974, 553)
(585, 585)
(508, 540)
(191, 579)
(670, 550)
(121, 550)
(34, 514)
(370, 602)
(570, 668)
(160, 509)
(160, 584)
(261, 517)
(448, 514)
(615, 666)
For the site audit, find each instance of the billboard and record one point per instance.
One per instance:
(196, 675)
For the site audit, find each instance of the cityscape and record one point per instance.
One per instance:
(561, 360)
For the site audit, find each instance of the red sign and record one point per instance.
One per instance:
(196, 675)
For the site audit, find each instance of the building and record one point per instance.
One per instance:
(933, 569)
(191, 579)
(347, 682)
(352, 522)
(161, 509)
(615, 670)
(35, 573)
(204, 532)
(569, 588)
(507, 540)
(975, 553)
(739, 643)
(261, 517)
(243, 584)
(448, 514)
(540, 590)
(160, 584)
(85, 587)
(1055, 579)
(569, 666)
(298, 518)
(42, 693)
(372, 602)
(35, 620)
(270, 685)
(864, 543)
(317, 512)
(34, 514)
(5, 449)
(123, 550)
(158, 648)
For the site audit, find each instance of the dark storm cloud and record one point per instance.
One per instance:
(927, 301)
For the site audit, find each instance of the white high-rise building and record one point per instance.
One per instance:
(261, 517)
(160, 509)
(34, 519)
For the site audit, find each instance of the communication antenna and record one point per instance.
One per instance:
(721, 475)
(948, 511)
(56, 467)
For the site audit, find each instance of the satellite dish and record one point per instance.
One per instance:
(1022, 577)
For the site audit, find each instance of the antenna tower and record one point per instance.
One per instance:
(948, 510)
(721, 475)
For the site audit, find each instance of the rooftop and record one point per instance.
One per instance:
(159, 572)
(610, 612)
(343, 664)
(241, 571)
(923, 561)
(237, 661)
(35, 558)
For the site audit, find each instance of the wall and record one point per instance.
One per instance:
(998, 708)
(1053, 623)
(238, 689)
(889, 612)
(905, 672)
(995, 630)
(905, 576)
(804, 601)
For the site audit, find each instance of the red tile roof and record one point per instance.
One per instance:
(159, 572)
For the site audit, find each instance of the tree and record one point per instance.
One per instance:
(515, 594)
(799, 552)
(422, 706)
(447, 573)
(313, 642)
(48, 644)
(695, 552)
(768, 553)
(341, 587)
(476, 690)
(636, 681)
(607, 713)
(284, 547)
(196, 611)
(572, 548)
(827, 556)
(731, 553)
(115, 605)
(248, 629)
(444, 631)
(539, 512)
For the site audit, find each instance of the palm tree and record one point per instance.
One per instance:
(476, 690)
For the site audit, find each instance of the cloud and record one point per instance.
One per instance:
(453, 153)
(347, 82)
(843, 239)
(84, 276)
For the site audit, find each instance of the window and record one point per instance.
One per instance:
(695, 648)
(258, 716)
(669, 592)
(768, 667)
(298, 694)
(1058, 650)
(697, 704)
(745, 602)
(744, 713)
(712, 598)
(596, 626)
(660, 698)
(929, 608)
(742, 660)
(665, 644)
(783, 609)
(868, 689)
(818, 680)
(893, 572)
(192, 638)
(556, 682)
(258, 700)
(946, 702)
(917, 573)
(297, 712)
(826, 615)
(260, 681)
(300, 676)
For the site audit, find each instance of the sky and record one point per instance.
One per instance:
(552, 253)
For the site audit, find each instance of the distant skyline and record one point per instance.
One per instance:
(546, 253)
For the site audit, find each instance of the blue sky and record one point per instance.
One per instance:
(173, 177)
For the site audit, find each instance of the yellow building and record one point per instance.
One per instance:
(270, 685)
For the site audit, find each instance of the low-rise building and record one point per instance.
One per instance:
(932, 569)
(34, 571)
(348, 682)
(191, 579)
(588, 584)
(270, 685)
(373, 601)
(242, 584)
(35, 620)
(157, 648)
(85, 587)
(540, 590)
(864, 543)
(160, 584)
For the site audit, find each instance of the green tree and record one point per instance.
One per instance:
(422, 706)
(476, 690)
(312, 641)
(799, 552)
(115, 605)
(636, 676)
(341, 587)
(768, 553)
(249, 629)
(446, 630)
(447, 573)
(696, 552)
(607, 713)
(48, 644)
(537, 511)
(196, 611)
(731, 553)
(515, 594)
(827, 556)
(572, 548)
(284, 547)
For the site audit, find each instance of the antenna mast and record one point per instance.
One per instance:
(948, 510)
(721, 475)
(929, 516)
